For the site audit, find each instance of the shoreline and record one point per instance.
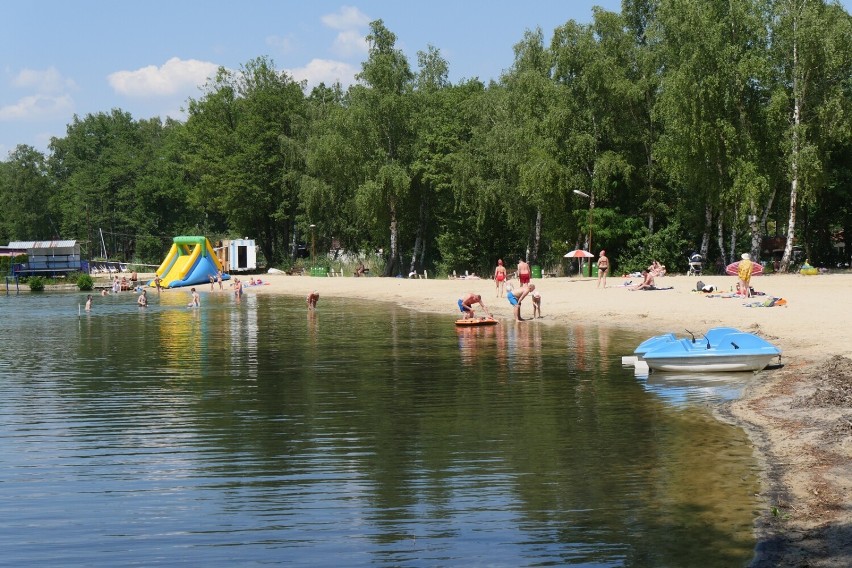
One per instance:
(802, 444)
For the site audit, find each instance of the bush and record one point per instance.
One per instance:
(666, 245)
(36, 283)
(85, 282)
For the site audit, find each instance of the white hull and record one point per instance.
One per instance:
(713, 364)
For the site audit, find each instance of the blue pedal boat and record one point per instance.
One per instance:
(720, 350)
(711, 337)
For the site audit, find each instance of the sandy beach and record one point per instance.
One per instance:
(799, 417)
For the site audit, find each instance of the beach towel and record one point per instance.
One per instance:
(768, 303)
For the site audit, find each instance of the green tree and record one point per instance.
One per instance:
(382, 108)
(334, 169)
(710, 106)
(25, 191)
(244, 146)
(96, 167)
(811, 101)
(593, 65)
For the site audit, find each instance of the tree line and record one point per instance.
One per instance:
(675, 126)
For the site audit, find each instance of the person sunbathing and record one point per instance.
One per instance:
(647, 282)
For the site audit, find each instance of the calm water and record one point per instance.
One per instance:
(253, 433)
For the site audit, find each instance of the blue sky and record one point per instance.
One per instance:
(66, 57)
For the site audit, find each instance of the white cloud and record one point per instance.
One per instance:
(173, 77)
(347, 18)
(48, 81)
(349, 43)
(325, 71)
(38, 106)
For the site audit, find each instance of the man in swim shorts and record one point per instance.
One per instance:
(523, 272)
(515, 298)
(466, 305)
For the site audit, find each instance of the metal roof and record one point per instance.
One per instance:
(42, 244)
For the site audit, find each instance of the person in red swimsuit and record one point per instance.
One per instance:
(500, 277)
(523, 272)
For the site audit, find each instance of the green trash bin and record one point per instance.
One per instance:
(536, 271)
(319, 271)
(594, 269)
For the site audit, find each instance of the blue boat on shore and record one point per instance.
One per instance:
(712, 337)
(722, 349)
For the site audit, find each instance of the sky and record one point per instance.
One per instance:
(61, 58)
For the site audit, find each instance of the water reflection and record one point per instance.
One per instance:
(685, 389)
(252, 432)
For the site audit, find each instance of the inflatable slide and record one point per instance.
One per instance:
(191, 261)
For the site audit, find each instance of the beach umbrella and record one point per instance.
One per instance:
(579, 254)
(756, 269)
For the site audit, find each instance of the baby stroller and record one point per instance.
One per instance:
(696, 264)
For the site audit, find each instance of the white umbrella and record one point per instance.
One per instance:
(578, 254)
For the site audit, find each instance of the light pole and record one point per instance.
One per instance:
(313, 244)
(591, 199)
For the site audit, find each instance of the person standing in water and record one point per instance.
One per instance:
(196, 300)
(142, 300)
(88, 303)
(312, 300)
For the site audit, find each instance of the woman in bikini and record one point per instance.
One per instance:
(603, 268)
(500, 277)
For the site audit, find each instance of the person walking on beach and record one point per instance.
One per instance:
(219, 278)
(515, 298)
(603, 268)
(744, 270)
(466, 305)
(142, 300)
(500, 277)
(523, 272)
(312, 300)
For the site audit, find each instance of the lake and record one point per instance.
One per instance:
(255, 433)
